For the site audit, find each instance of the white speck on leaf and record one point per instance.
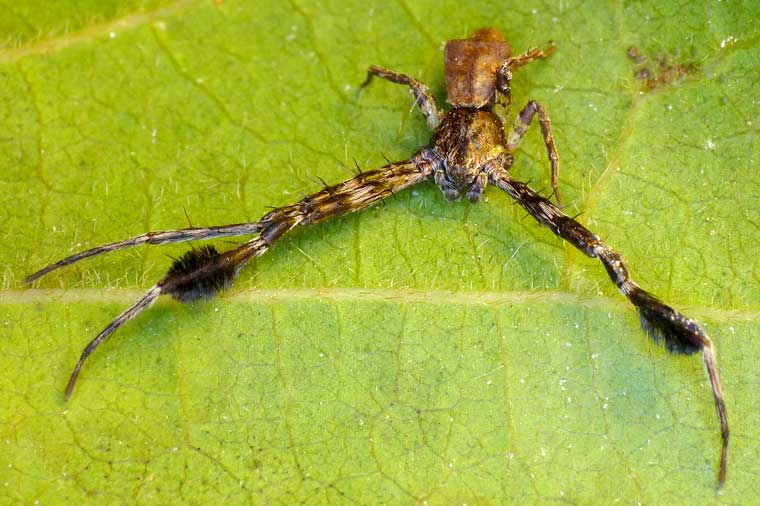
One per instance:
(728, 40)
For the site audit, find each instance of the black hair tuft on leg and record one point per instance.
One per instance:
(199, 274)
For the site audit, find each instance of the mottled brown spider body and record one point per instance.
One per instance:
(466, 143)
(469, 149)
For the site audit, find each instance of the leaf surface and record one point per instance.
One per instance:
(419, 352)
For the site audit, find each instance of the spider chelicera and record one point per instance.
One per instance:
(468, 150)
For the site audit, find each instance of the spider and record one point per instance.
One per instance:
(469, 149)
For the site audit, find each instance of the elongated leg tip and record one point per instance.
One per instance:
(70, 386)
(723, 465)
(32, 278)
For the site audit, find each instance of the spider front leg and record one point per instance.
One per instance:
(520, 127)
(202, 272)
(530, 55)
(504, 72)
(660, 321)
(422, 96)
(154, 238)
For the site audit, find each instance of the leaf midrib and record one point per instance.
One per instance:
(398, 295)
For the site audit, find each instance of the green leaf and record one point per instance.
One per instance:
(419, 352)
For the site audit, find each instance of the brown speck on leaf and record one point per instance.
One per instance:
(663, 70)
(634, 54)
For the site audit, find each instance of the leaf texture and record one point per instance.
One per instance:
(421, 352)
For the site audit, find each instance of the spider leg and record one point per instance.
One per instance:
(145, 302)
(155, 238)
(530, 55)
(422, 96)
(662, 322)
(504, 72)
(520, 127)
(202, 272)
